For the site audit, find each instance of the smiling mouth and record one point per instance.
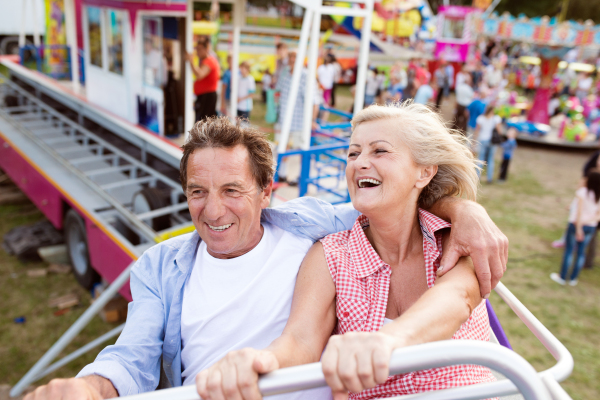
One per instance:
(219, 228)
(368, 183)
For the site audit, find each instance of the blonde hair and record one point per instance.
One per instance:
(431, 142)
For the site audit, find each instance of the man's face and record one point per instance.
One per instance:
(224, 200)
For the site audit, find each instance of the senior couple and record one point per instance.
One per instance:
(255, 289)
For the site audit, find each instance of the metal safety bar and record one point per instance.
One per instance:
(423, 356)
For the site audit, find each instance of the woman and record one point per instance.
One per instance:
(484, 131)
(375, 286)
(207, 74)
(583, 219)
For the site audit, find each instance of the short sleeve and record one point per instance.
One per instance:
(497, 119)
(581, 193)
(479, 120)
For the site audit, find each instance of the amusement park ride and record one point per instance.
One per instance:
(90, 153)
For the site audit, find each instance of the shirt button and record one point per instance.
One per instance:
(346, 314)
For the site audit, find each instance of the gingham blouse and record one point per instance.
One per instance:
(362, 283)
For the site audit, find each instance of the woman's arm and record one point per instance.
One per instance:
(200, 71)
(311, 322)
(360, 360)
(579, 235)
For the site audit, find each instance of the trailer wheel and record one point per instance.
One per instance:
(77, 248)
(149, 199)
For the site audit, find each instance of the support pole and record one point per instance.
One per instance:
(23, 20)
(311, 80)
(36, 33)
(70, 334)
(363, 58)
(293, 94)
(71, 26)
(238, 21)
(190, 116)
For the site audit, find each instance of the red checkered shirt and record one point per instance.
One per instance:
(362, 282)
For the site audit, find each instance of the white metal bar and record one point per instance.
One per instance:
(311, 80)
(557, 392)
(81, 351)
(490, 9)
(293, 93)
(363, 58)
(424, 356)
(36, 32)
(23, 22)
(126, 182)
(70, 334)
(71, 26)
(190, 115)
(238, 22)
(163, 211)
(349, 12)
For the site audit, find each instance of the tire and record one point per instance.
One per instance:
(77, 249)
(149, 199)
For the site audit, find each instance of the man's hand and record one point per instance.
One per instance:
(474, 234)
(68, 389)
(235, 376)
(356, 361)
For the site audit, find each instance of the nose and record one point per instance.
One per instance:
(214, 208)
(362, 161)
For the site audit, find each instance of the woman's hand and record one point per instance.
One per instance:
(356, 361)
(579, 234)
(189, 57)
(235, 376)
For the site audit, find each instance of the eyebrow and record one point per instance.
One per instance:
(230, 184)
(372, 143)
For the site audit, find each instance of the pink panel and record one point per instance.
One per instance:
(41, 192)
(106, 256)
(454, 52)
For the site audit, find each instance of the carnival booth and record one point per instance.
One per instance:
(454, 39)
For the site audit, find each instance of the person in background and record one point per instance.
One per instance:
(371, 86)
(226, 87)
(508, 147)
(267, 80)
(337, 76)
(486, 124)
(583, 219)
(554, 105)
(207, 74)
(464, 98)
(442, 80)
(326, 79)
(381, 80)
(424, 94)
(584, 84)
(246, 89)
(475, 109)
(282, 62)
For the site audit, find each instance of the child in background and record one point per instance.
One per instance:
(246, 88)
(267, 79)
(508, 147)
(583, 219)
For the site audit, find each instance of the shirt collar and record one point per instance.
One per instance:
(184, 259)
(366, 259)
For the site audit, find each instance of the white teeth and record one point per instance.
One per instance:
(219, 228)
(361, 182)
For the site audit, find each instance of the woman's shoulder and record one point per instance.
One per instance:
(336, 241)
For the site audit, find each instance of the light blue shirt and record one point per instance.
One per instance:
(158, 278)
(424, 94)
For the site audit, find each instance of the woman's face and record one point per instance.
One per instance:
(381, 173)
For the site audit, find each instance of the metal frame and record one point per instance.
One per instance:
(522, 378)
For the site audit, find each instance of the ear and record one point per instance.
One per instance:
(265, 195)
(427, 174)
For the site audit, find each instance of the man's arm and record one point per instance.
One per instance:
(473, 234)
(132, 364)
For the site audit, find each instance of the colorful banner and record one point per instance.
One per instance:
(56, 56)
(540, 31)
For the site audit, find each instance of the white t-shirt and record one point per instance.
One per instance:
(266, 82)
(585, 84)
(326, 75)
(487, 126)
(589, 210)
(245, 87)
(229, 304)
(464, 94)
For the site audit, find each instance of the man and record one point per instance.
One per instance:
(281, 50)
(464, 97)
(424, 94)
(229, 284)
(207, 74)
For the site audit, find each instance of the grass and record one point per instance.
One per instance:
(530, 209)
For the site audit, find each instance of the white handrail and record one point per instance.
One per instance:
(424, 356)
